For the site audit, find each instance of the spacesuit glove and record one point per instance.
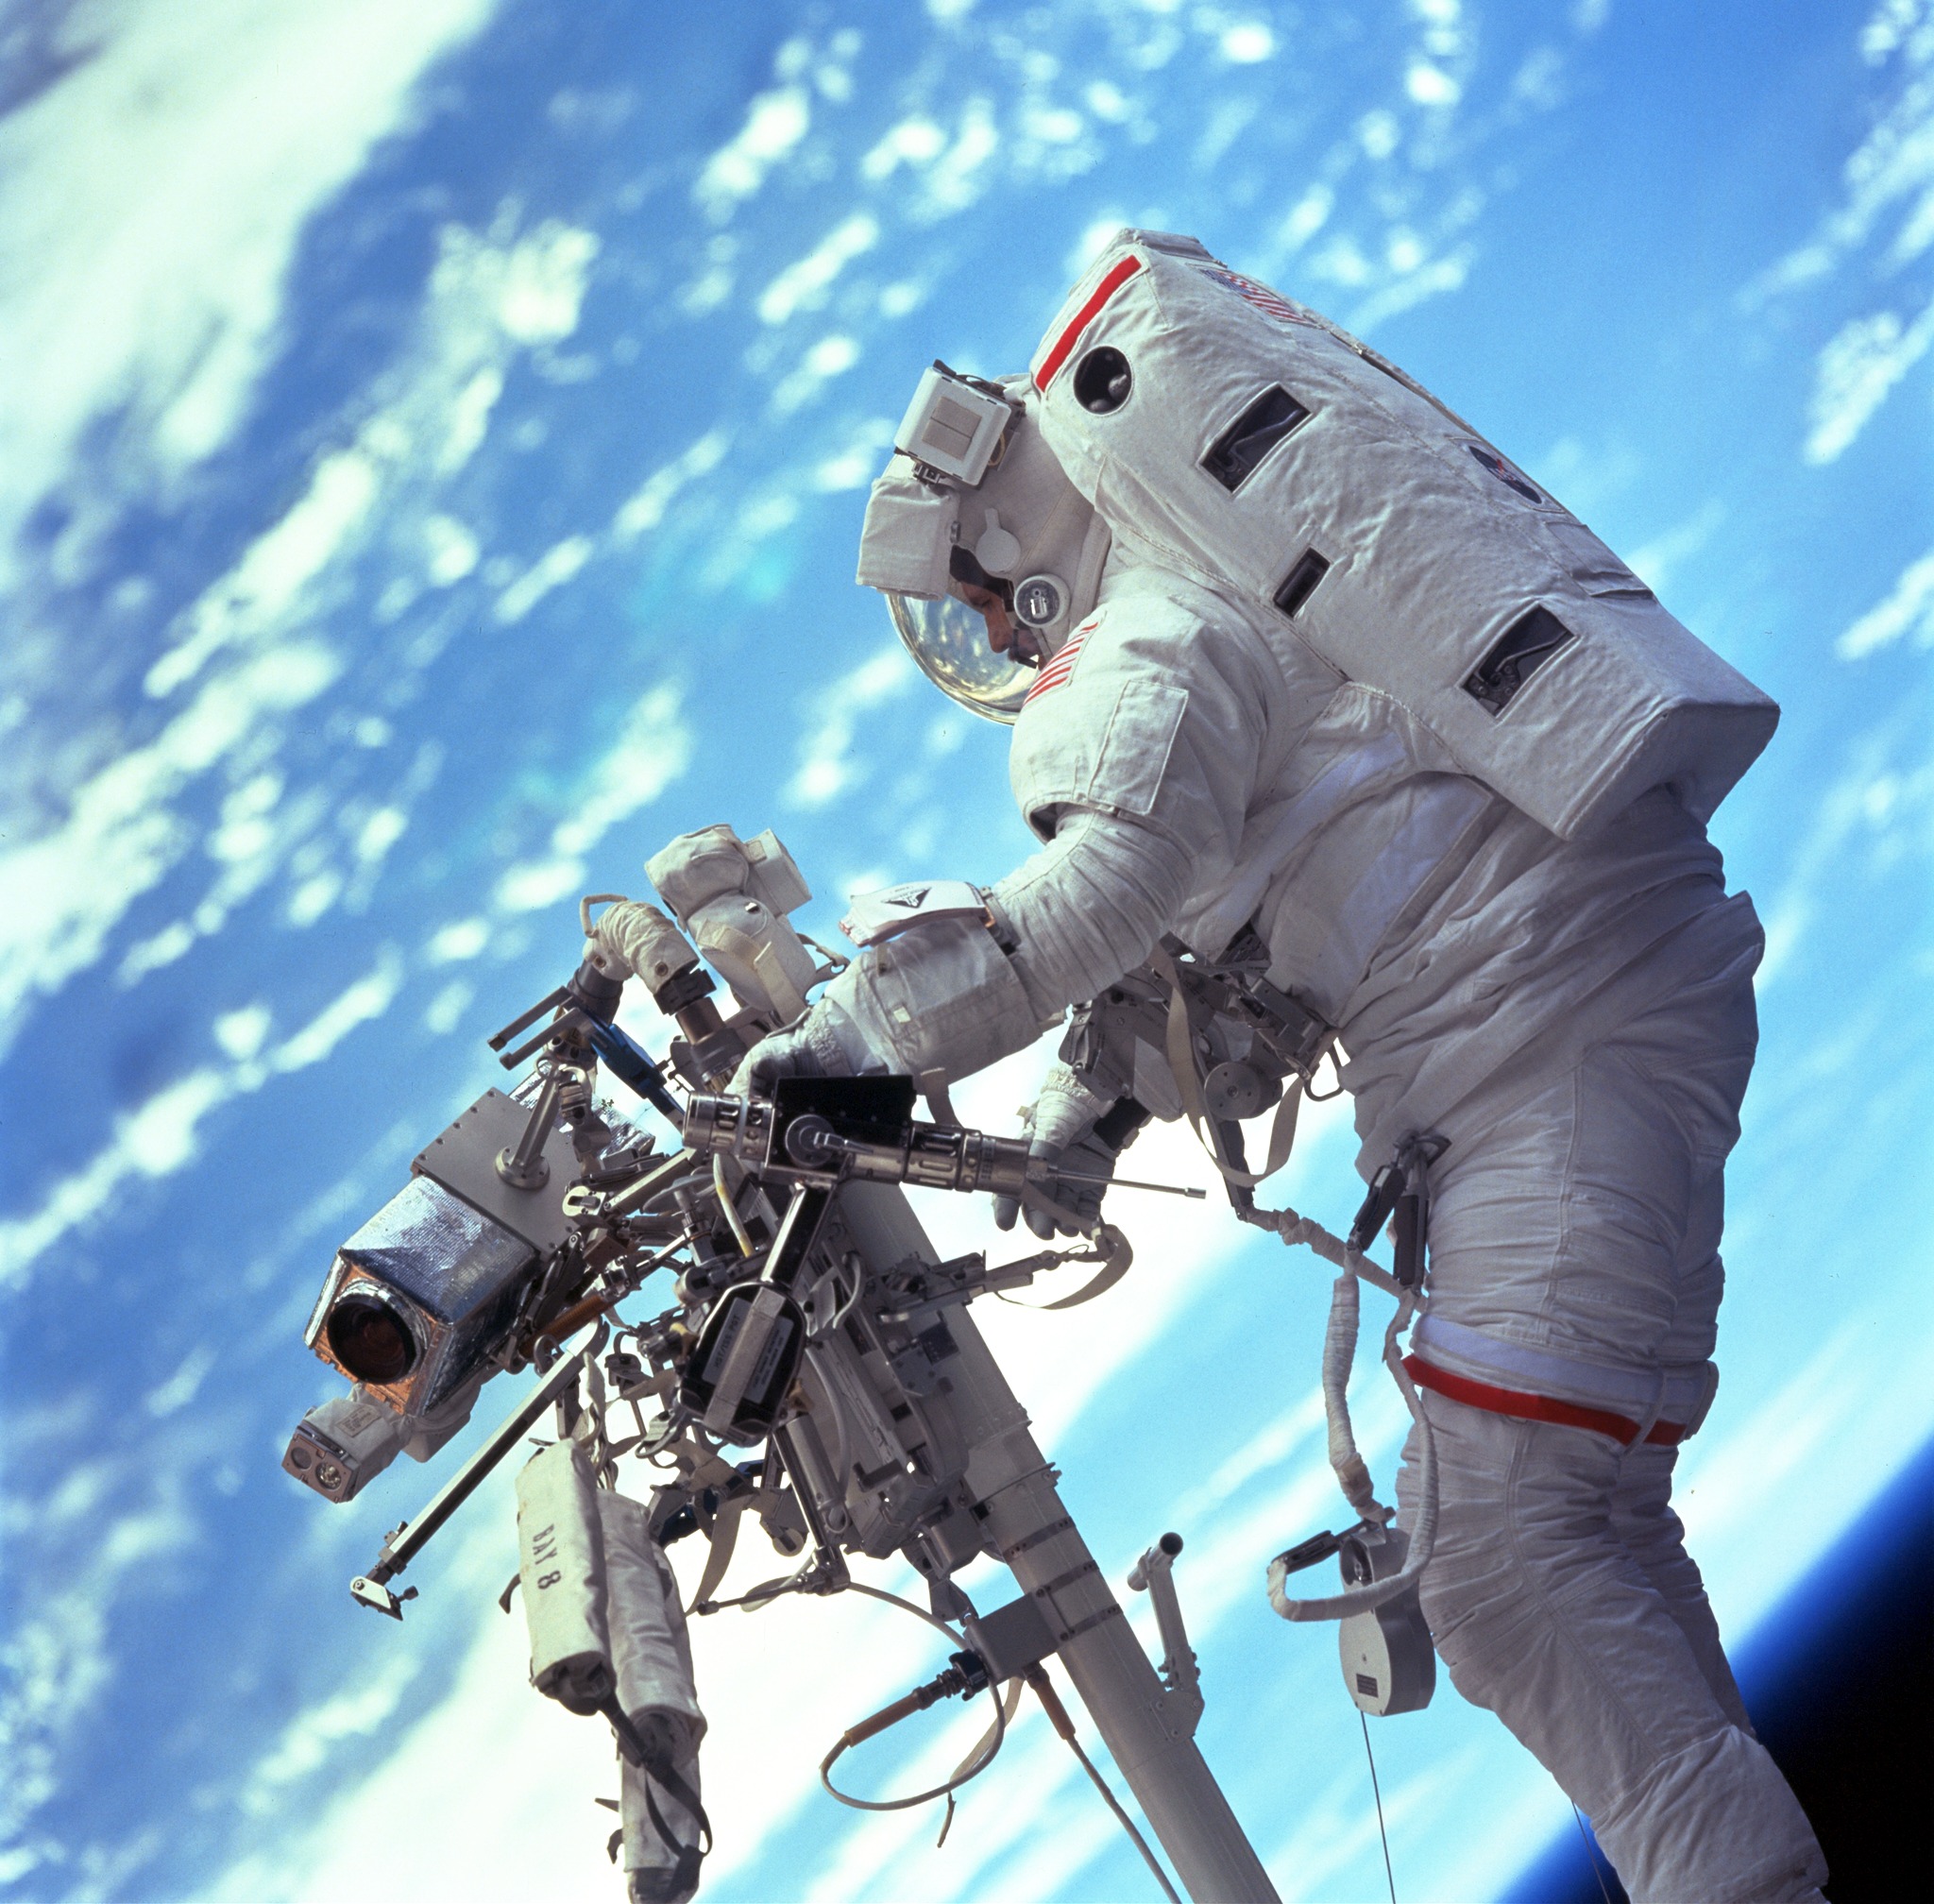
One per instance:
(1059, 1127)
(824, 1043)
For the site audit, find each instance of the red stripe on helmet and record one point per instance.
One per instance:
(1083, 317)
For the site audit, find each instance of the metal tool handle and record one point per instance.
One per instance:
(412, 1536)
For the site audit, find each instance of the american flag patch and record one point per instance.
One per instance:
(1059, 666)
(1264, 299)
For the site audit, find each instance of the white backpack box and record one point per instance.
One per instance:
(1262, 448)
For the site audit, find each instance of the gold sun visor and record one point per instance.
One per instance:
(949, 642)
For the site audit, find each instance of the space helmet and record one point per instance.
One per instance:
(973, 494)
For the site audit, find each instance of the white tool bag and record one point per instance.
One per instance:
(1265, 450)
(607, 1634)
(652, 1655)
(561, 1564)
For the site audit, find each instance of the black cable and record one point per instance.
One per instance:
(1390, 1877)
(1578, 1818)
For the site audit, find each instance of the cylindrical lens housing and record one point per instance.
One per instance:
(370, 1341)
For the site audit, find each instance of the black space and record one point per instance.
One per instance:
(1842, 1690)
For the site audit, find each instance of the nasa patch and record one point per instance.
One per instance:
(1487, 458)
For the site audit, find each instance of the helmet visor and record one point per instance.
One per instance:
(949, 641)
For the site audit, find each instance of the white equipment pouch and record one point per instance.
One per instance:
(656, 1690)
(561, 1564)
(943, 997)
(649, 1649)
(1246, 437)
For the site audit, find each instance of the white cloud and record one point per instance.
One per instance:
(1431, 85)
(955, 180)
(1783, 1461)
(653, 750)
(1907, 609)
(61, 894)
(444, 1013)
(379, 833)
(559, 565)
(1378, 133)
(307, 1740)
(1429, 279)
(859, 462)
(369, 998)
(645, 509)
(470, 417)
(1247, 43)
(181, 1387)
(532, 884)
(1859, 364)
(257, 593)
(542, 288)
(241, 1033)
(142, 268)
(1657, 561)
(826, 766)
(802, 286)
(775, 121)
(1307, 216)
(162, 1135)
(1891, 170)
(831, 357)
(1889, 25)
(61, 1651)
(913, 141)
(460, 939)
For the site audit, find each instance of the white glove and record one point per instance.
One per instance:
(824, 1043)
(1060, 1125)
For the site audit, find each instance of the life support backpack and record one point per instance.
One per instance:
(1261, 446)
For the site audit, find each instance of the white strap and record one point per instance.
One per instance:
(1182, 1063)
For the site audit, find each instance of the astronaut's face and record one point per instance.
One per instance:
(1001, 634)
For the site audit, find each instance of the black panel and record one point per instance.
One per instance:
(1301, 583)
(1235, 455)
(1519, 654)
(873, 1110)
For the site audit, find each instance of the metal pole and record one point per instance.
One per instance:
(1147, 1730)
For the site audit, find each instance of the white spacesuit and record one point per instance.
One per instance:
(1315, 661)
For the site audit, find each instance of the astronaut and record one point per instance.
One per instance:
(1291, 652)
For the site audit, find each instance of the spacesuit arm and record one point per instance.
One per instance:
(1138, 758)
(1091, 904)
(953, 995)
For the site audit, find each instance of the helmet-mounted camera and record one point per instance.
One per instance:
(955, 426)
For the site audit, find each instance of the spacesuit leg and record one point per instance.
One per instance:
(1641, 1506)
(1543, 1615)
(1651, 1532)
(1583, 1221)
